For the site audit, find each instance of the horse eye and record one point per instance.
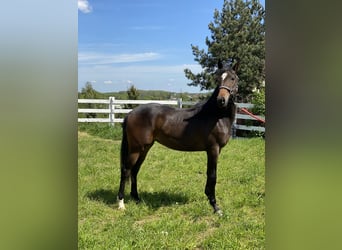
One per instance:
(233, 79)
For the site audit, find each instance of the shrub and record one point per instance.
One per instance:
(258, 100)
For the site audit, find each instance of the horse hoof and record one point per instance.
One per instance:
(136, 198)
(219, 212)
(121, 205)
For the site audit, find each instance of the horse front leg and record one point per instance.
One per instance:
(212, 156)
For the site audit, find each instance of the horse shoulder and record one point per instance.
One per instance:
(222, 131)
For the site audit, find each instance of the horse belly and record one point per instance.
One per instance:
(179, 139)
(179, 144)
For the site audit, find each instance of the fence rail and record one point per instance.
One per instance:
(115, 107)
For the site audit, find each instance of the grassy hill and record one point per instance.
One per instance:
(150, 95)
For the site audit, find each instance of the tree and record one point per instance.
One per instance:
(88, 92)
(133, 94)
(237, 33)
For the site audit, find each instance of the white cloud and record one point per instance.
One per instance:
(102, 59)
(107, 82)
(84, 6)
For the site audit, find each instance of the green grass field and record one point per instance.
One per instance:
(174, 212)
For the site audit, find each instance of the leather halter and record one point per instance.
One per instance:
(225, 87)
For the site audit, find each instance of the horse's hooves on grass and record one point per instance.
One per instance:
(136, 198)
(121, 205)
(219, 212)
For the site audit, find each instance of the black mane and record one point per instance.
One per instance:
(208, 108)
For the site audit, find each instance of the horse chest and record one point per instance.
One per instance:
(221, 132)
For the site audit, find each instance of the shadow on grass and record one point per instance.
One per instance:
(153, 200)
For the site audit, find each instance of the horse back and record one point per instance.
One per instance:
(143, 121)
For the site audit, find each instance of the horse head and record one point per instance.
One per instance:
(228, 84)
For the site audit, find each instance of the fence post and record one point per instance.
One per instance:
(233, 128)
(180, 103)
(111, 108)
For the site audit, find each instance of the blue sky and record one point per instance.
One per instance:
(146, 43)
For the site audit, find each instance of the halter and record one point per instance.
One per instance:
(225, 87)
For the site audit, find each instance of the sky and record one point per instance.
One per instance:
(145, 43)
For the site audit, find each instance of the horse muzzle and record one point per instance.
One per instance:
(223, 97)
(222, 101)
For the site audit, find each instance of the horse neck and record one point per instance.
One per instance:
(212, 101)
(210, 107)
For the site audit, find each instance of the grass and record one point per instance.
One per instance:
(174, 212)
(103, 130)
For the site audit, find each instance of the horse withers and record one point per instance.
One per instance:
(204, 127)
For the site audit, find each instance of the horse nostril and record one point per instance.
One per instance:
(221, 101)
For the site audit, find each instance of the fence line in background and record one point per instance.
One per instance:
(115, 107)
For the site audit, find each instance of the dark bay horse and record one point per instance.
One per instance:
(204, 127)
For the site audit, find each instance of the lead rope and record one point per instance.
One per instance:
(252, 115)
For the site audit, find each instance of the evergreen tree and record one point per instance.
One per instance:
(133, 94)
(88, 92)
(237, 33)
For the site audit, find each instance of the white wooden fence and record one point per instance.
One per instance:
(115, 107)
(247, 117)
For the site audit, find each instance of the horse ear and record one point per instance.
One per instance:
(236, 66)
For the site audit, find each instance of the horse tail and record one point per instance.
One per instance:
(124, 152)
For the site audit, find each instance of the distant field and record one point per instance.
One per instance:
(174, 213)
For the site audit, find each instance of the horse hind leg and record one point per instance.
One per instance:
(127, 162)
(125, 174)
(134, 173)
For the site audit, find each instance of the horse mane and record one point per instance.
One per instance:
(208, 108)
